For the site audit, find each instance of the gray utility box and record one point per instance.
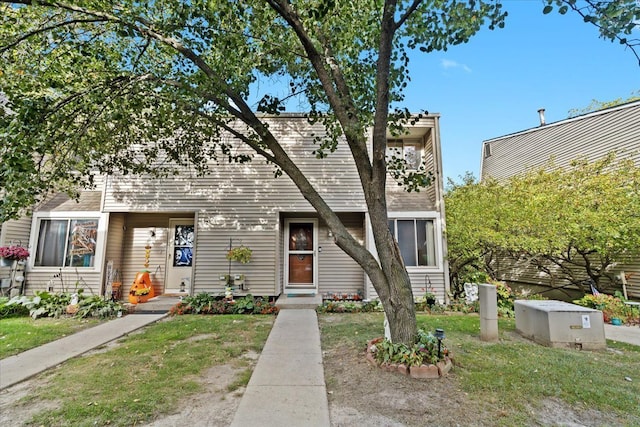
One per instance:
(560, 324)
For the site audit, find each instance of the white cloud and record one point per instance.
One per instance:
(447, 63)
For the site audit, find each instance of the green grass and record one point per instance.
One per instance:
(149, 372)
(18, 334)
(514, 372)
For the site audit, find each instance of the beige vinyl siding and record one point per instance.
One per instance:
(590, 136)
(16, 231)
(67, 280)
(246, 194)
(115, 243)
(210, 259)
(419, 284)
(337, 272)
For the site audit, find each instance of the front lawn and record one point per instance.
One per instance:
(18, 334)
(512, 382)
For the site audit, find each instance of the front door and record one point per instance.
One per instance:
(301, 263)
(180, 256)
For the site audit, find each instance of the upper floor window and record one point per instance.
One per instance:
(487, 150)
(409, 149)
(66, 242)
(416, 239)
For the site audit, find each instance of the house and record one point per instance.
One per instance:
(181, 228)
(589, 136)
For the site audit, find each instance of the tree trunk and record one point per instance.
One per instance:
(393, 285)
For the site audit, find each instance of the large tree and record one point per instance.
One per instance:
(90, 85)
(573, 224)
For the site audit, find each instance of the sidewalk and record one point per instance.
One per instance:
(628, 334)
(25, 365)
(287, 385)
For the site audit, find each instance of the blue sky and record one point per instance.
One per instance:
(494, 85)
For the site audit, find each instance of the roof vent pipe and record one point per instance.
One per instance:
(541, 114)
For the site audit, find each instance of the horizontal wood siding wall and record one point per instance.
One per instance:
(337, 272)
(115, 243)
(211, 249)
(246, 195)
(420, 282)
(16, 232)
(524, 274)
(65, 281)
(591, 136)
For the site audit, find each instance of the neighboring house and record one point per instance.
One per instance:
(186, 224)
(590, 136)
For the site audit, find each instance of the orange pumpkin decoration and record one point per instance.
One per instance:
(142, 288)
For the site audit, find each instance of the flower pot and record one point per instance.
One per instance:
(6, 262)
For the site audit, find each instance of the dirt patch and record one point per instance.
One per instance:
(361, 394)
(15, 410)
(214, 406)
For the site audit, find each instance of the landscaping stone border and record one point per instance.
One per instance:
(438, 370)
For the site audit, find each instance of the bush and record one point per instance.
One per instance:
(349, 306)
(611, 307)
(10, 309)
(204, 303)
(46, 304)
(424, 351)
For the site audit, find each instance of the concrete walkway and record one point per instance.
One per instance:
(25, 365)
(628, 334)
(287, 385)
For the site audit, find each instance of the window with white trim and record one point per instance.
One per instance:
(416, 239)
(409, 149)
(66, 242)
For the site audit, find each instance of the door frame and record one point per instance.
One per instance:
(301, 289)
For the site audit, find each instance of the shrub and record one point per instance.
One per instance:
(9, 308)
(46, 304)
(611, 306)
(424, 351)
(204, 303)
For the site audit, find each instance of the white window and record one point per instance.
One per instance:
(408, 149)
(416, 239)
(66, 242)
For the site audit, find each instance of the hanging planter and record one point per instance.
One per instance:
(241, 254)
(9, 254)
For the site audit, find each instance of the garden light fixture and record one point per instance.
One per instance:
(439, 334)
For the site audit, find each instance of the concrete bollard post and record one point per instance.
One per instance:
(488, 298)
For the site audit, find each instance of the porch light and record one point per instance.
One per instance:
(182, 286)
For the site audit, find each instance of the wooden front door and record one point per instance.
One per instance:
(301, 264)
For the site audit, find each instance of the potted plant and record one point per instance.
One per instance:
(241, 254)
(9, 254)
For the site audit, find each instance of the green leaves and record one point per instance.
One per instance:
(585, 216)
